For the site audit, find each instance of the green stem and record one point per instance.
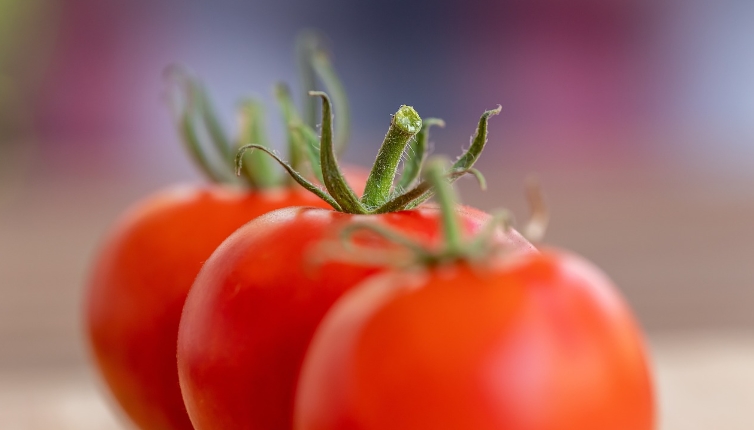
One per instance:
(404, 126)
(447, 200)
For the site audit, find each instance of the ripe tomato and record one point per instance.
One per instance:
(256, 302)
(144, 272)
(542, 342)
(140, 281)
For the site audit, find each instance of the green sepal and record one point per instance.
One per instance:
(299, 178)
(467, 160)
(326, 73)
(185, 101)
(331, 175)
(303, 143)
(314, 64)
(211, 123)
(257, 170)
(310, 142)
(416, 153)
(308, 42)
(191, 140)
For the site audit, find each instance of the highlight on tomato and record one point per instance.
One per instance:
(472, 336)
(255, 304)
(143, 272)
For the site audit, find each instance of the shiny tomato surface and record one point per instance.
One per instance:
(140, 280)
(256, 302)
(542, 342)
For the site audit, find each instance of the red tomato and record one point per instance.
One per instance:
(543, 342)
(256, 302)
(140, 281)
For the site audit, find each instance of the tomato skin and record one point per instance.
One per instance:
(256, 303)
(542, 343)
(140, 281)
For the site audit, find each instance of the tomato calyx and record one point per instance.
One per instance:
(408, 135)
(455, 248)
(409, 252)
(215, 153)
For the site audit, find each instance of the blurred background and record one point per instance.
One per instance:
(637, 115)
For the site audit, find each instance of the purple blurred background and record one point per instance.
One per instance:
(582, 79)
(638, 116)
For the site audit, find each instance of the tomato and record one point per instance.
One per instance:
(145, 269)
(140, 281)
(541, 342)
(256, 302)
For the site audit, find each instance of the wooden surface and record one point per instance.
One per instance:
(705, 381)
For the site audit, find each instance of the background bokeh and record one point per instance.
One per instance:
(637, 115)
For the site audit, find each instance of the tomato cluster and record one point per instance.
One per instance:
(255, 305)
(271, 307)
